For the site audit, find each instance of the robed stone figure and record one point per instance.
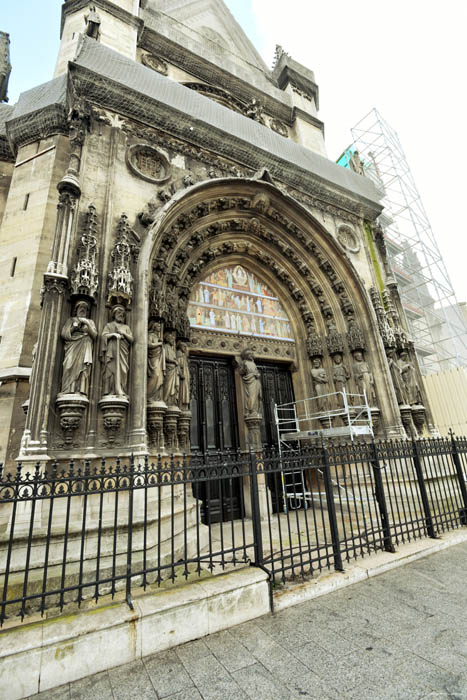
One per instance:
(184, 376)
(251, 384)
(156, 362)
(364, 378)
(171, 376)
(409, 379)
(78, 335)
(116, 340)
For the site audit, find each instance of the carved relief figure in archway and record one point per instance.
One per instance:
(320, 383)
(251, 384)
(184, 376)
(407, 371)
(364, 378)
(340, 375)
(171, 376)
(116, 341)
(156, 362)
(78, 334)
(396, 377)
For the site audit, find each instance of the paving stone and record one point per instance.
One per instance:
(252, 636)
(167, 673)
(193, 650)
(281, 663)
(259, 684)
(205, 669)
(223, 689)
(229, 651)
(96, 687)
(61, 693)
(191, 694)
(132, 680)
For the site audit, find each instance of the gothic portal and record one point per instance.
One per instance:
(178, 252)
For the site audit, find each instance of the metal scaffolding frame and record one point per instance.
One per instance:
(436, 323)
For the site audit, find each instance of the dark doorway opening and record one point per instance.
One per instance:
(214, 428)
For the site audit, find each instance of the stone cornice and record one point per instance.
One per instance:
(75, 5)
(301, 114)
(210, 73)
(14, 374)
(113, 96)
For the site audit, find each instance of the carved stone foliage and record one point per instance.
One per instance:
(230, 343)
(126, 248)
(218, 95)
(84, 279)
(348, 239)
(151, 61)
(279, 127)
(148, 163)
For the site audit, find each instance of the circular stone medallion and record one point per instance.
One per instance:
(148, 163)
(348, 239)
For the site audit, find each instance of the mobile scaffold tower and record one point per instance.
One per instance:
(435, 321)
(348, 416)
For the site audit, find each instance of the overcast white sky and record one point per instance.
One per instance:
(407, 58)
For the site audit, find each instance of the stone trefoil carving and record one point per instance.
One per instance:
(85, 278)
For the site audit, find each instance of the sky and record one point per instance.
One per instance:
(407, 58)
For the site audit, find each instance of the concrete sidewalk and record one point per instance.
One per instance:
(401, 636)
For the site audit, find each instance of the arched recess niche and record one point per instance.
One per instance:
(253, 223)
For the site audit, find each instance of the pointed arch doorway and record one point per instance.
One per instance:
(233, 303)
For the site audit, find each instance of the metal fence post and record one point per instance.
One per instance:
(255, 511)
(423, 492)
(461, 477)
(331, 511)
(131, 486)
(381, 500)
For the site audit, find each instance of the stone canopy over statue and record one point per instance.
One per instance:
(116, 340)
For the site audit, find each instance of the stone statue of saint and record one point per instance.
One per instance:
(396, 377)
(340, 375)
(156, 362)
(78, 335)
(364, 378)
(116, 340)
(184, 376)
(409, 379)
(93, 23)
(171, 376)
(320, 383)
(251, 384)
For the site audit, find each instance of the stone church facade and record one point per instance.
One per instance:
(172, 231)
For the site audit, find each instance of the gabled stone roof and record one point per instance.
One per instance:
(196, 111)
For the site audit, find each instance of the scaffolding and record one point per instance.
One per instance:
(347, 416)
(434, 318)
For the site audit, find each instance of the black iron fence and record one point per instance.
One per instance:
(76, 534)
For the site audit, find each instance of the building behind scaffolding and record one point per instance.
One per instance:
(436, 321)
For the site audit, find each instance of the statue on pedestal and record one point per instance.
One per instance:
(251, 384)
(78, 335)
(409, 379)
(171, 376)
(340, 375)
(320, 383)
(364, 378)
(156, 363)
(396, 377)
(184, 376)
(116, 341)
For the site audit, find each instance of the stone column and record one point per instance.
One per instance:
(34, 442)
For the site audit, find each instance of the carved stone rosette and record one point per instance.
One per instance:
(155, 415)
(113, 410)
(71, 408)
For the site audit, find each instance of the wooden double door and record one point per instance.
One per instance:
(214, 426)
